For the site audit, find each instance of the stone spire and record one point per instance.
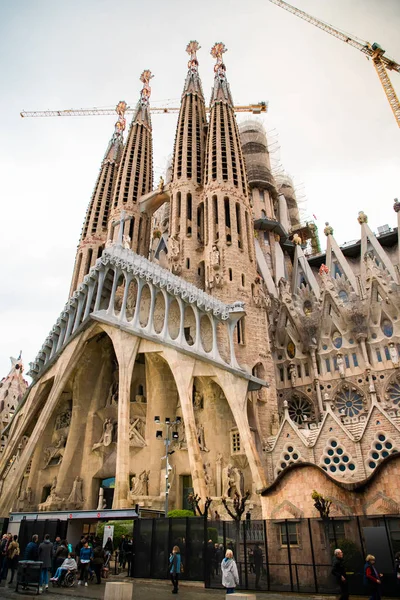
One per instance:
(224, 153)
(135, 173)
(94, 231)
(12, 390)
(187, 204)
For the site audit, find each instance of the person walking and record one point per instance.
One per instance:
(372, 578)
(5, 542)
(175, 567)
(230, 575)
(121, 551)
(339, 572)
(32, 549)
(258, 561)
(128, 555)
(45, 555)
(85, 556)
(13, 557)
(98, 560)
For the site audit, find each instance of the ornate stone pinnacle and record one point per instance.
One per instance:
(396, 205)
(192, 48)
(120, 110)
(328, 229)
(362, 217)
(218, 50)
(146, 90)
(296, 239)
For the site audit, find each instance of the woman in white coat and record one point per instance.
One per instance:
(230, 576)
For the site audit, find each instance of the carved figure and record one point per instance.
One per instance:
(109, 243)
(137, 433)
(114, 387)
(63, 420)
(56, 451)
(340, 364)
(394, 355)
(215, 257)
(293, 374)
(140, 399)
(182, 443)
(53, 486)
(75, 496)
(197, 400)
(201, 439)
(161, 184)
(102, 504)
(323, 270)
(232, 479)
(140, 485)
(174, 247)
(107, 435)
(126, 242)
(29, 495)
(208, 478)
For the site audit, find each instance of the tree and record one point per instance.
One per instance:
(323, 506)
(239, 505)
(194, 501)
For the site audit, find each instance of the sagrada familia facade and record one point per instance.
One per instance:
(204, 299)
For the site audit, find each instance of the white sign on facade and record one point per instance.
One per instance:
(108, 533)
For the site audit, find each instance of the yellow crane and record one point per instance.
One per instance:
(256, 109)
(382, 63)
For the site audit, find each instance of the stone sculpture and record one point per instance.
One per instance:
(54, 454)
(232, 481)
(107, 435)
(75, 496)
(201, 438)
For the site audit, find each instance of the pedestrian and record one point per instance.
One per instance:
(175, 567)
(121, 551)
(251, 561)
(61, 554)
(397, 567)
(56, 545)
(128, 554)
(45, 555)
(80, 545)
(85, 557)
(230, 576)
(13, 556)
(6, 541)
(372, 578)
(339, 572)
(32, 549)
(258, 561)
(98, 560)
(69, 564)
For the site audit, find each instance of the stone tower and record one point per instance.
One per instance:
(94, 232)
(12, 390)
(135, 174)
(187, 232)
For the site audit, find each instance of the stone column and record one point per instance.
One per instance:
(126, 347)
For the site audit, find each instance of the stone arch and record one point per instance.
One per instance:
(131, 300)
(189, 325)
(144, 306)
(174, 319)
(223, 341)
(159, 312)
(119, 294)
(206, 335)
(106, 289)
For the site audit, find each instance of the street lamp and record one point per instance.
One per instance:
(168, 424)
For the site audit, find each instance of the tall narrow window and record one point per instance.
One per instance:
(200, 223)
(240, 332)
(131, 228)
(178, 202)
(88, 261)
(215, 218)
(238, 225)
(243, 280)
(189, 214)
(249, 238)
(206, 221)
(78, 268)
(227, 221)
(230, 274)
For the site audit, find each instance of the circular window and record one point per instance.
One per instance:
(332, 468)
(324, 347)
(371, 464)
(339, 451)
(299, 408)
(330, 452)
(387, 327)
(295, 456)
(342, 468)
(388, 445)
(381, 437)
(327, 461)
(345, 459)
(378, 446)
(337, 340)
(351, 467)
(385, 453)
(336, 459)
(374, 336)
(349, 402)
(394, 392)
(333, 443)
(286, 457)
(344, 297)
(375, 455)
(290, 448)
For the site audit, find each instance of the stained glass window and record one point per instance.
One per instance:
(387, 328)
(349, 402)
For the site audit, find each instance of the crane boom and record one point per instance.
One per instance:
(256, 109)
(374, 51)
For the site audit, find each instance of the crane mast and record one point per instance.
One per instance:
(374, 51)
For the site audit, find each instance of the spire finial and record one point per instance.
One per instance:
(328, 229)
(362, 217)
(191, 49)
(120, 110)
(146, 90)
(216, 52)
(396, 205)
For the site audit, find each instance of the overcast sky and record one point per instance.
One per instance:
(330, 124)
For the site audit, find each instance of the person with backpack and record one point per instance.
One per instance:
(372, 578)
(32, 549)
(98, 560)
(230, 575)
(175, 567)
(13, 557)
(46, 556)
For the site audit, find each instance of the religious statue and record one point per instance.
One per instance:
(201, 439)
(126, 242)
(107, 435)
(394, 355)
(52, 453)
(181, 441)
(75, 496)
(208, 478)
(232, 479)
(173, 248)
(340, 364)
(197, 400)
(293, 374)
(102, 504)
(161, 185)
(296, 239)
(53, 486)
(137, 432)
(29, 495)
(63, 420)
(215, 257)
(140, 485)
(114, 387)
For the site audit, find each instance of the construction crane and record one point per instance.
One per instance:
(374, 51)
(256, 109)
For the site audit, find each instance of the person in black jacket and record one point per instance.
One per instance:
(32, 549)
(339, 572)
